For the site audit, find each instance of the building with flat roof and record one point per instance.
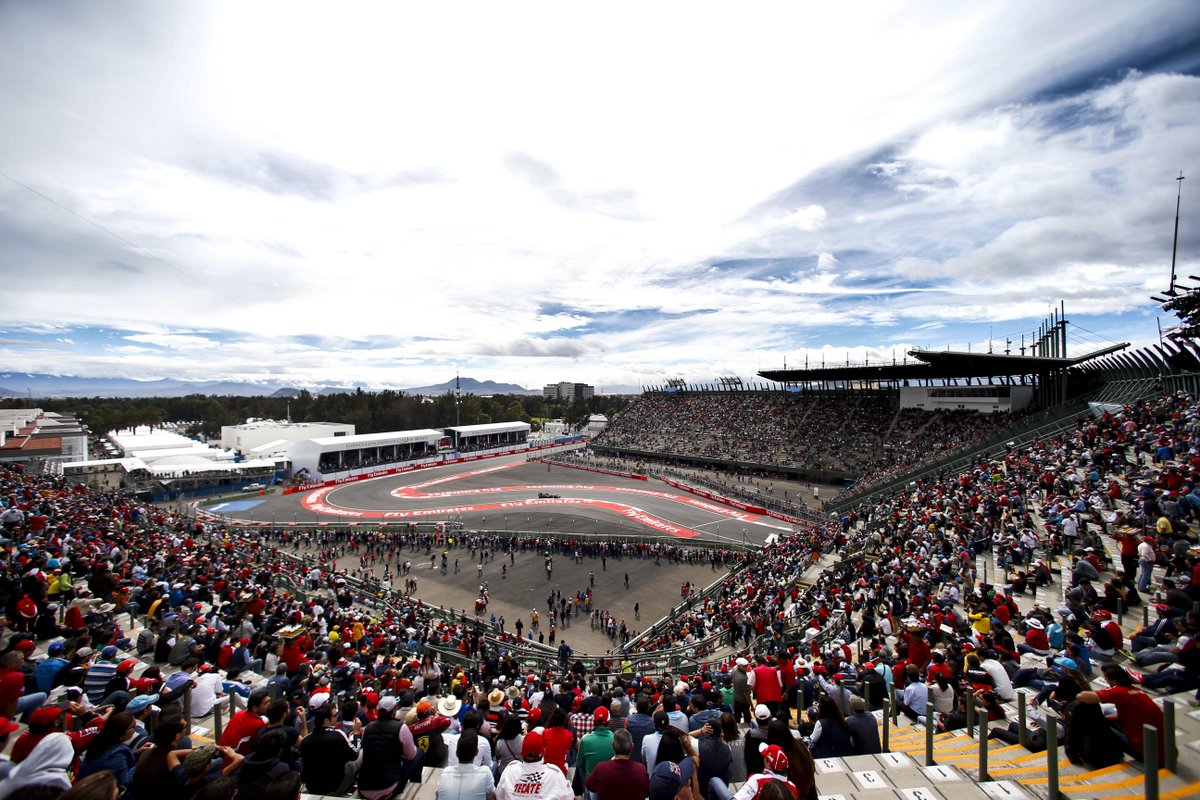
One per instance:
(41, 437)
(568, 391)
(253, 434)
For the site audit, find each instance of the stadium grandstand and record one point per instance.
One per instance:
(1013, 613)
(863, 425)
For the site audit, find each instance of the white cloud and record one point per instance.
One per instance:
(419, 199)
(177, 341)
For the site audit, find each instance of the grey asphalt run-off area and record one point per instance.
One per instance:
(656, 587)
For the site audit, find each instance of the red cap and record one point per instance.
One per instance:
(245, 641)
(774, 758)
(25, 646)
(533, 746)
(600, 714)
(7, 726)
(535, 714)
(45, 715)
(126, 666)
(424, 707)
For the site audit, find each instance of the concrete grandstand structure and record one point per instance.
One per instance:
(990, 572)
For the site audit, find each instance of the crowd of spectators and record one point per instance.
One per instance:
(860, 434)
(123, 617)
(778, 428)
(918, 437)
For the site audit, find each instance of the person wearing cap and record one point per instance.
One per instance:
(242, 659)
(7, 729)
(330, 762)
(597, 746)
(531, 778)
(1036, 641)
(48, 668)
(14, 700)
(207, 691)
(837, 690)
(141, 707)
(775, 768)
(742, 698)
(48, 719)
(101, 671)
(183, 645)
(864, 728)
(390, 755)
(427, 730)
(1105, 637)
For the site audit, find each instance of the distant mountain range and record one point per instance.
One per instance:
(15, 384)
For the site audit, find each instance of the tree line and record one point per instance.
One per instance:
(368, 412)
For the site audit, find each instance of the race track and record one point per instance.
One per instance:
(502, 494)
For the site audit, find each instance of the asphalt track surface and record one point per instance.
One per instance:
(501, 494)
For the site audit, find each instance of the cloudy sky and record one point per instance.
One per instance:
(619, 194)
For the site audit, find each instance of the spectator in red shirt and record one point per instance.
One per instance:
(244, 726)
(557, 739)
(1135, 708)
(45, 721)
(1036, 641)
(764, 680)
(13, 698)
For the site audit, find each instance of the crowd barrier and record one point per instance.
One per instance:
(601, 470)
(738, 504)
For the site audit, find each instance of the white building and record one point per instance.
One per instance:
(39, 437)
(335, 456)
(253, 434)
(554, 427)
(596, 423)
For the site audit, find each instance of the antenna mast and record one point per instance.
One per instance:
(1175, 241)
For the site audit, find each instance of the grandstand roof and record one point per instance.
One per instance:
(932, 365)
